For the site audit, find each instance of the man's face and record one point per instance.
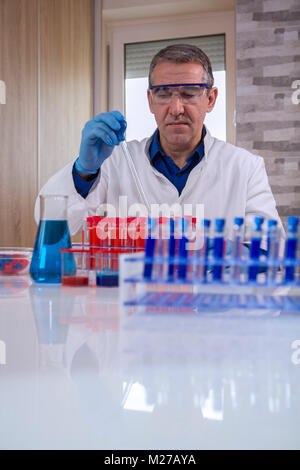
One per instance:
(179, 124)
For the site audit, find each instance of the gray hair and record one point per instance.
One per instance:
(183, 53)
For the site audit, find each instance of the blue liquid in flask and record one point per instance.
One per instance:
(52, 235)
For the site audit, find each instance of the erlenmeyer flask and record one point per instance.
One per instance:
(52, 235)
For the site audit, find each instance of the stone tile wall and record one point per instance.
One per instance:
(268, 92)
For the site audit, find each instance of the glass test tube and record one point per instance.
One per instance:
(237, 249)
(272, 249)
(291, 247)
(183, 252)
(218, 249)
(255, 247)
(202, 254)
(161, 251)
(150, 247)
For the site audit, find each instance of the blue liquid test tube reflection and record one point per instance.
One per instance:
(291, 246)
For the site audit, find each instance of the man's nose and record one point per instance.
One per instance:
(176, 107)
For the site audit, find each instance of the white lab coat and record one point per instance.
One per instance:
(229, 182)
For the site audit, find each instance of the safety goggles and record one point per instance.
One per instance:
(189, 93)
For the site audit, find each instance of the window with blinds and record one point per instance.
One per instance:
(138, 56)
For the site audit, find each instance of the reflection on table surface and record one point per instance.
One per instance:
(81, 372)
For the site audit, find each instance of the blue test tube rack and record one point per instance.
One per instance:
(248, 278)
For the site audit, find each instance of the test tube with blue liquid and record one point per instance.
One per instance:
(184, 225)
(202, 254)
(291, 248)
(150, 247)
(172, 249)
(52, 235)
(255, 248)
(218, 249)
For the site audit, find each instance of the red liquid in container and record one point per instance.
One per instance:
(75, 281)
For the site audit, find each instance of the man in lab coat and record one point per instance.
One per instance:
(180, 166)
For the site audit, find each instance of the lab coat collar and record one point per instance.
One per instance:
(208, 141)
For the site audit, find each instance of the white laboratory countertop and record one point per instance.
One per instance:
(79, 373)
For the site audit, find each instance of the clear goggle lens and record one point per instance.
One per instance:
(187, 93)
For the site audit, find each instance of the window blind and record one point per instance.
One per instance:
(139, 55)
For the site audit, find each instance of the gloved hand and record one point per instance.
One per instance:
(99, 137)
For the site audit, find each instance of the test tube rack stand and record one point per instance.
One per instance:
(193, 293)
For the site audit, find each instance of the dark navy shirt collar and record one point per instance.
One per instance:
(155, 148)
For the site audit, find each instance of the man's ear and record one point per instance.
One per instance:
(212, 98)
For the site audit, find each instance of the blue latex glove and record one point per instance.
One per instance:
(99, 137)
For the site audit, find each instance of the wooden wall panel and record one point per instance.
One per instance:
(66, 80)
(18, 121)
